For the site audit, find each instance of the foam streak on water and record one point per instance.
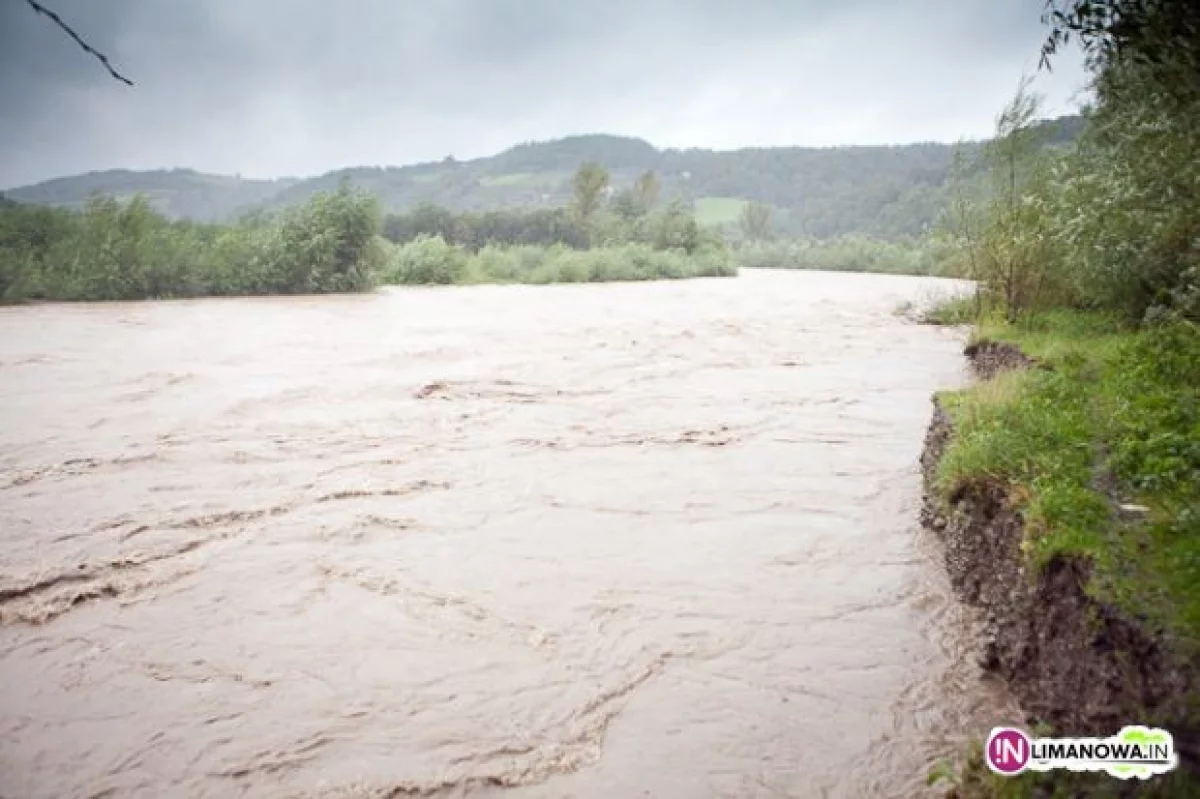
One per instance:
(588, 541)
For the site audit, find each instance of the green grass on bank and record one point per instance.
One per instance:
(430, 260)
(1114, 419)
(961, 309)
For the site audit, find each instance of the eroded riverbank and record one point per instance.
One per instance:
(652, 539)
(1084, 652)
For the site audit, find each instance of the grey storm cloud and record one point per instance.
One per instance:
(298, 87)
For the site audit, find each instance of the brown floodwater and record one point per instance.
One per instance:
(591, 541)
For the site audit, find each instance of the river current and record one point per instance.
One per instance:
(620, 540)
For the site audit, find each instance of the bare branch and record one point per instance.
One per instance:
(39, 8)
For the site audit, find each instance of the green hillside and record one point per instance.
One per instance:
(179, 193)
(883, 191)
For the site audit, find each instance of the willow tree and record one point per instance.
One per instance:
(1130, 210)
(646, 190)
(589, 183)
(755, 222)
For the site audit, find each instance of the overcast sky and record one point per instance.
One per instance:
(297, 87)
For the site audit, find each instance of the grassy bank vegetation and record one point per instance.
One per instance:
(756, 245)
(125, 251)
(338, 242)
(1114, 420)
(844, 254)
(431, 260)
(626, 237)
(1098, 447)
(1089, 261)
(597, 217)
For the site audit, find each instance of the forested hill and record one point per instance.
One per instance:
(886, 191)
(180, 193)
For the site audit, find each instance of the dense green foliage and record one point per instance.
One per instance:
(588, 185)
(755, 222)
(473, 230)
(1089, 260)
(883, 192)
(1113, 222)
(631, 217)
(591, 240)
(842, 254)
(115, 251)
(431, 260)
(112, 250)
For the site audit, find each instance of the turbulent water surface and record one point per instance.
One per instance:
(589, 541)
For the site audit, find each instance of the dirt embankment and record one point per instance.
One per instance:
(989, 358)
(1070, 660)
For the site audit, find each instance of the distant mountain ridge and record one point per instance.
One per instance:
(886, 191)
(181, 193)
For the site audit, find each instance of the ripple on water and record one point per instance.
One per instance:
(601, 541)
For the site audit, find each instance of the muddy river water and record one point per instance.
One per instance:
(570, 541)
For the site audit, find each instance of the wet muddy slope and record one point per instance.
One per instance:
(1070, 660)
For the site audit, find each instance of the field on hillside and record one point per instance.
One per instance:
(719, 210)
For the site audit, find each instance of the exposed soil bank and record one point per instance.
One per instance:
(988, 358)
(1070, 660)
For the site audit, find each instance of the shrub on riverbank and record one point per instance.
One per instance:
(955, 310)
(842, 254)
(432, 260)
(123, 251)
(1088, 260)
(1111, 224)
